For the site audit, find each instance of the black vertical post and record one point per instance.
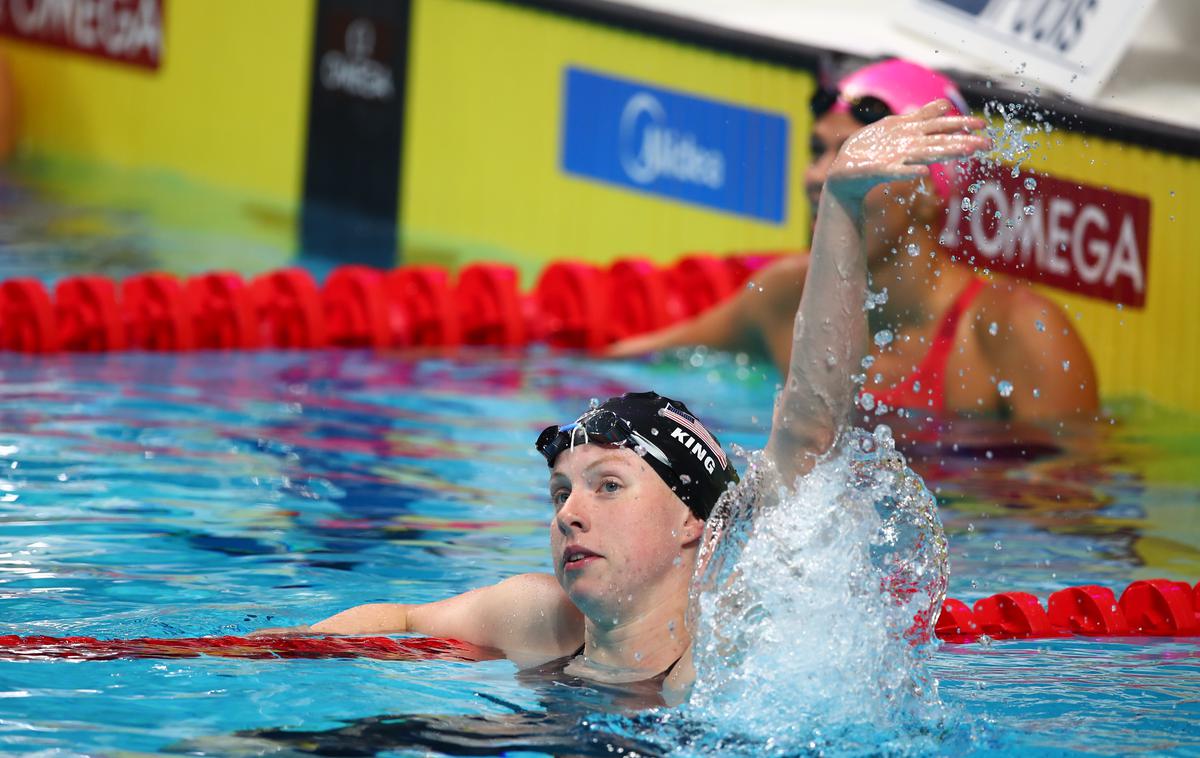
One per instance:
(355, 130)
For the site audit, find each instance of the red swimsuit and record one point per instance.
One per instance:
(925, 387)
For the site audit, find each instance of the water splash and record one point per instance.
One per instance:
(813, 611)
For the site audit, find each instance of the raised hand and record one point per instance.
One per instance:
(829, 336)
(899, 147)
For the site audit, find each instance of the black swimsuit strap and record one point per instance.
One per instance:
(662, 675)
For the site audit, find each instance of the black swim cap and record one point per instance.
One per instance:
(687, 456)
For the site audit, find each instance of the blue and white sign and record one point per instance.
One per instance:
(675, 145)
(1071, 45)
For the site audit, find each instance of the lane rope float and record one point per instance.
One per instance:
(1147, 608)
(574, 305)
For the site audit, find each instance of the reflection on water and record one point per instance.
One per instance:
(150, 495)
(60, 217)
(546, 732)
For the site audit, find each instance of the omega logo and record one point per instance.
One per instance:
(354, 71)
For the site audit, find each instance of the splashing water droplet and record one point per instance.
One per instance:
(1040, 326)
(913, 249)
(685, 479)
(862, 525)
(1005, 387)
(868, 361)
(993, 328)
(883, 337)
(1030, 183)
(1036, 392)
(594, 403)
(866, 400)
(1066, 366)
(997, 546)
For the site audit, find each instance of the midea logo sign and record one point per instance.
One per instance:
(675, 145)
(651, 149)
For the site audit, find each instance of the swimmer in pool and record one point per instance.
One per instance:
(956, 335)
(633, 481)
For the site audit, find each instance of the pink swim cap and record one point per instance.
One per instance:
(904, 87)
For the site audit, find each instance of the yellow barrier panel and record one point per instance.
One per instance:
(1154, 351)
(482, 177)
(227, 107)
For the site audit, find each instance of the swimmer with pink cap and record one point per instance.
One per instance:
(941, 360)
(892, 87)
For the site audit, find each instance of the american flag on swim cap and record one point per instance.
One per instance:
(698, 431)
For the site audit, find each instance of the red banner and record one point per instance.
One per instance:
(1082, 239)
(127, 31)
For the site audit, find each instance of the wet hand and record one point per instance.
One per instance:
(900, 147)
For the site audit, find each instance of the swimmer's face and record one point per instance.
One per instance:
(889, 208)
(633, 533)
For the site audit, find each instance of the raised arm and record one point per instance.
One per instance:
(829, 335)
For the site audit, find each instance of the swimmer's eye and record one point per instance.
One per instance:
(610, 486)
(559, 497)
(816, 149)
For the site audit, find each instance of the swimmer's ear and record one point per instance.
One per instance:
(693, 528)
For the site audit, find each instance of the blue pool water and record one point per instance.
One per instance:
(208, 494)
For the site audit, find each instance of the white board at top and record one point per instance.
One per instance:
(1070, 45)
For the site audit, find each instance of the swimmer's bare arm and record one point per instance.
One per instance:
(829, 336)
(526, 616)
(757, 319)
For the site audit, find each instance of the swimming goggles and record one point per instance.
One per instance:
(596, 427)
(865, 109)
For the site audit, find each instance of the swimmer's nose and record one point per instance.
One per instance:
(571, 516)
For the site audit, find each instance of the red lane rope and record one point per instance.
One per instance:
(1150, 608)
(15, 648)
(574, 305)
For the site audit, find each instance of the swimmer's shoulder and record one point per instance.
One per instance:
(782, 281)
(1035, 338)
(1020, 312)
(541, 623)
